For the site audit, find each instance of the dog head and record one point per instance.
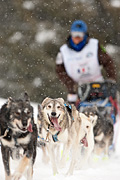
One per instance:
(53, 111)
(86, 127)
(92, 113)
(20, 114)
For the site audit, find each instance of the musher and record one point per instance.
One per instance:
(80, 59)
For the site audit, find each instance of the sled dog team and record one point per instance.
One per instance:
(58, 123)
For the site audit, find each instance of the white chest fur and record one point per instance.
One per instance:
(19, 141)
(63, 137)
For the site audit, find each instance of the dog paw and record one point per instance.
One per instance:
(55, 173)
(16, 176)
(96, 158)
(105, 158)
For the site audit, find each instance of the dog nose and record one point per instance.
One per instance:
(53, 113)
(24, 123)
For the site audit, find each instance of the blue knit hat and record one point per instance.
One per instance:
(79, 26)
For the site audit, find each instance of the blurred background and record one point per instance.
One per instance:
(31, 33)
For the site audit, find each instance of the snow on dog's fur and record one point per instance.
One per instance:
(70, 128)
(18, 133)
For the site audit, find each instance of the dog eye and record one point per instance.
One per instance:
(17, 113)
(87, 127)
(58, 107)
(49, 106)
(91, 114)
(28, 112)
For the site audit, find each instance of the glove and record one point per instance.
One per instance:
(72, 98)
(111, 81)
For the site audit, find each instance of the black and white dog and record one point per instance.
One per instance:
(18, 133)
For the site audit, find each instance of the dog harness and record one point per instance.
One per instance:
(5, 133)
(69, 109)
(54, 137)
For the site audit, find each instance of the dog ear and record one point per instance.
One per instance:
(83, 116)
(9, 102)
(46, 100)
(95, 107)
(74, 111)
(39, 108)
(61, 100)
(26, 97)
(39, 111)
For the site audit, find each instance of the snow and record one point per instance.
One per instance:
(37, 82)
(101, 170)
(29, 5)
(15, 37)
(115, 3)
(112, 49)
(45, 36)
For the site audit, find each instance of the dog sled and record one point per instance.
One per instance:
(105, 97)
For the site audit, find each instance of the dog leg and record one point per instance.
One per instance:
(45, 157)
(85, 158)
(52, 158)
(30, 171)
(21, 168)
(6, 162)
(88, 150)
(106, 147)
(58, 153)
(74, 156)
(66, 150)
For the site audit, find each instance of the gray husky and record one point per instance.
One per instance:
(62, 123)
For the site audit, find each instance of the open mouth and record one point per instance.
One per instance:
(29, 128)
(22, 129)
(54, 122)
(84, 141)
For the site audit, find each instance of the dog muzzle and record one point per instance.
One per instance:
(84, 141)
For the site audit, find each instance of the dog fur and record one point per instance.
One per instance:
(72, 128)
(103, 129)
(18, 134)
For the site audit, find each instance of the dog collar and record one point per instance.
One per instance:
(16, 143)
(55, 138)
(69, 109)
(69, 106)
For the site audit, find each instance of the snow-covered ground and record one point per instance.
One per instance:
(99, 170)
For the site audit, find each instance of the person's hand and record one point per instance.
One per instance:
(111, 81)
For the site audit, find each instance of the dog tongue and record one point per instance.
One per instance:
(84, 141)
(30, 128)
(56, 124)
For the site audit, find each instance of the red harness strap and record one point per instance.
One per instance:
(115, 104)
